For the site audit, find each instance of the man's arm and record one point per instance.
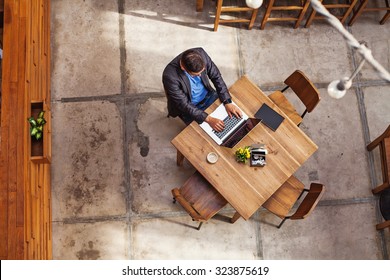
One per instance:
(215, 76)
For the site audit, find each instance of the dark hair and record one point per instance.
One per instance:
(192, 61)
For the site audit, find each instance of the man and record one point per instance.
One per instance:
(186, 82)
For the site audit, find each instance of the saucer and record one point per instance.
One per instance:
(212, 157)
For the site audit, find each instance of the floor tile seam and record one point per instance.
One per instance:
(122, 45)
(363, 118)
(239, 54)
(347, 201)
(324, 85)
(366, 136)
(126, 139)
(179, 213)
(111, 98)
(78, 220)
(259, 240)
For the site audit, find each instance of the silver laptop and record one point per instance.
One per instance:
(231, 124)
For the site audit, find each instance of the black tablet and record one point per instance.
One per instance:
(269, 117)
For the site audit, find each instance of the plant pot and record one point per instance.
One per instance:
(41, 149)
(36, 147)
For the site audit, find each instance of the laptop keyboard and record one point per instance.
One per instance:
(229, 125)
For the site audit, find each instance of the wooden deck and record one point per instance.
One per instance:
(25, 195)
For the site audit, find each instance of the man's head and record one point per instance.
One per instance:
(192, 62)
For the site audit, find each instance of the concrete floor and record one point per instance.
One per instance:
(114, 166)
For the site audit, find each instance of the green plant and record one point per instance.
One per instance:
(36, 125)
(243, 154)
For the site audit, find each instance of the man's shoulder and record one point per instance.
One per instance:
(170, 71)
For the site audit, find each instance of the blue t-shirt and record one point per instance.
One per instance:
(198, 90)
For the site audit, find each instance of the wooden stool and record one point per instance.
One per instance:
(363, 8)
(304, 5)
(233, 9)
(346, 6)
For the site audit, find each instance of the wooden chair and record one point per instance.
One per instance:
(234, 9)
(304, 89)
(288, 194)
(384, 206)
(363, 7)
(281, 202)
(384, 145)
(199, 199)
(340, 9)
(301, 7)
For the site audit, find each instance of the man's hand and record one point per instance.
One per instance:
(232, 109)
(215, 123)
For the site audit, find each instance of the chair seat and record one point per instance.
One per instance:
(281, 202)
(282, 102)
(203, 197)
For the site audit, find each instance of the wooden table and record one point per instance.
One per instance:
(247, 188)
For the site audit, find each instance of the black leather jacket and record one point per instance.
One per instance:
(178, 89)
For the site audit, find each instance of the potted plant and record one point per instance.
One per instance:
(243, 154)
(36, 125)
(36, 132)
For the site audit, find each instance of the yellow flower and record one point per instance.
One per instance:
(242, 154)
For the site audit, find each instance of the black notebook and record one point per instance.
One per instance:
(269, 117)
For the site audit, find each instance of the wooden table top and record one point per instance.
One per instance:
(246, 188)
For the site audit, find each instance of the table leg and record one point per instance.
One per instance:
(199, 5)
(235, 217)
(179, 158)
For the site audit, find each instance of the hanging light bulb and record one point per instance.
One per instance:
(338, 88)
(254, 4)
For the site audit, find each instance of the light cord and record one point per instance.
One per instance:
(350, 39)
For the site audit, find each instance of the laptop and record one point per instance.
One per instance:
(231, 124)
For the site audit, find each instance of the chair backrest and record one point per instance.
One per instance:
(383, 141)
(309, 202)
(304, 89)
(186, 205)
(199, 198)
(379, 139)
(281, 201)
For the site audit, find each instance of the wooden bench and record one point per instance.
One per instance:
(25, 186)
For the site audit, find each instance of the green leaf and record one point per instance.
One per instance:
(38, 135)
(40, 128)
(32, 121)
(40, 116)
(33, 131)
